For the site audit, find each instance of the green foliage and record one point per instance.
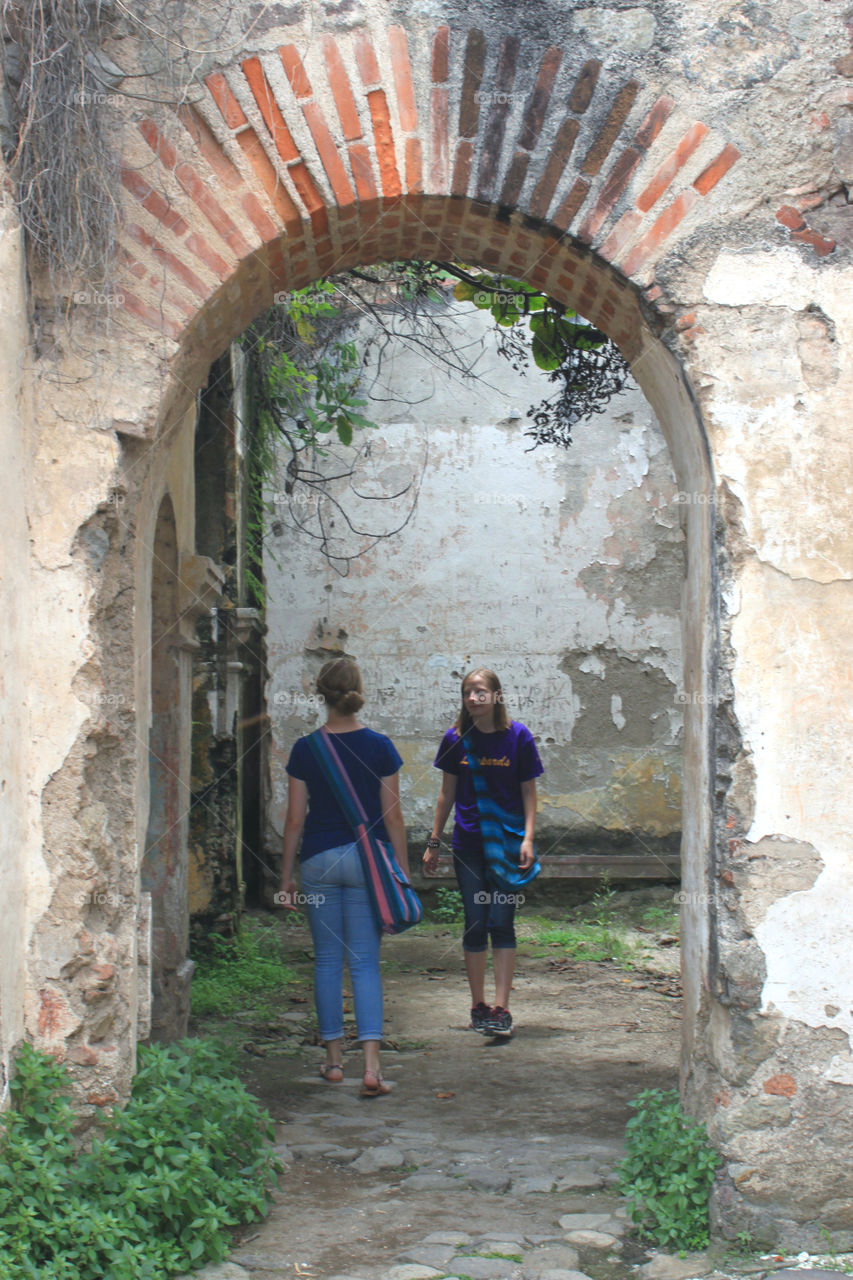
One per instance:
(448, 907)
(228, 971)
(668, 1171)
(588, 940)
(184, 1161)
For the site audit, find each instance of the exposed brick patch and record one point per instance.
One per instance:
(295, 71)
(514, 180)
(384, 138)
(200, 193)
(496, 123)
(401, 69)
(462, 168)
(615, 183)
(169, 260)
(253, 149)
(231, 111)
(441, 55)
(439, 142)
(609, 132)
(208, 144)
(414, 166)
(781, 1085)
(569, 208)
(660, 230)
(558, 158)
(365, 57)
(342, 91)
(202, 250)
(534, 114)
(675, 160)
(654, 122)
(362, 171)
(584, 86)
(328, 152)
(475, 61)
(270, 110)
(151, 200)
(717, 169)
(150, 316)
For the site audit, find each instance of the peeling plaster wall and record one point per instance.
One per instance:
(18, 830)
(562, 570)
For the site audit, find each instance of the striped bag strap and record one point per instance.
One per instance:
(337, 777)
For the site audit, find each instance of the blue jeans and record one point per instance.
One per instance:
(343, 927)
(488, 911)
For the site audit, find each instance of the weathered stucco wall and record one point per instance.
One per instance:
(18, 831)
(561, 569)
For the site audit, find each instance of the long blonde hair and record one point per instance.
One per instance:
(463, 720)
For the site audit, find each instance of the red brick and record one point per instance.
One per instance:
(821, 244)
(790, 218)
(781, 1085)
(496, 124)
(441, 55)
(462, 168)
(611, 128)
(624, 231)
(202, 250)
(161, 146)
(659, 231)
(675, 160)
(279, 197)
(201, 194)
(270, 110)
(514, 180)
(717, 169)
(612, 188)
(653, 123)
(294, 70)
(414, 166)
(169, 260)
(534, 114)
(384, 138)
(362, 171)
(365, 57)
(231, 111)
(342, 91)
(439, 148)
(328, 152)
(686, 321)
(150, 315)
(570, 206)
(402, 71)
(584, 86)
(558, 158)
(475, 61)
(264, 225)
(305, 186)
(208, 145)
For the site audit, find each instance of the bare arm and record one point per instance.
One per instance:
(392, 816)
(446, 801)
(528, 800)
(297, 808)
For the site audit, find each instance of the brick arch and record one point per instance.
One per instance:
(291, 164)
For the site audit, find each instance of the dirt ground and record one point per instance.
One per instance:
(553, 1099)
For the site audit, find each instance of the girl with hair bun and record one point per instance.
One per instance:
(509, 764)
(340, 913)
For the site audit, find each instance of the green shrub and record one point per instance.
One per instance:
(668, 1171)
(186, 1159)
(448, 907)
(229, 972)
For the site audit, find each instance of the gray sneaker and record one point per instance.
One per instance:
(480, 1015)
(499, 1022)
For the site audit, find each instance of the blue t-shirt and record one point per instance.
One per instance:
(508, 758)
(367, 756)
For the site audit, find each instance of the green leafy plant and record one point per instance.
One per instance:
(234, 973)
(448, 907)
(185, 1160)
(668, 1171)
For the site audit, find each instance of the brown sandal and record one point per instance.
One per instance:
(377, 1090)
(328, 1068)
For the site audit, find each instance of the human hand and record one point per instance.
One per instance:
(286, 895)
(527, 855)
(430, 862)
